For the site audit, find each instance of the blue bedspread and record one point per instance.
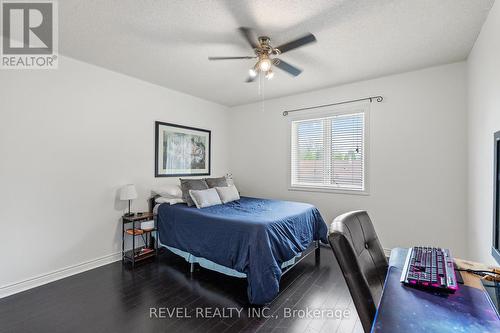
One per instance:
(253, 236)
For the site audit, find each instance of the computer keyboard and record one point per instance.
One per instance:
(429, 267)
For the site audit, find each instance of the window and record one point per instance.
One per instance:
(329, 152)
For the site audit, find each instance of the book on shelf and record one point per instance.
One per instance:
(135, 231)
(144, 251)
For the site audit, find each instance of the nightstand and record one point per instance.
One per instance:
(131, 227)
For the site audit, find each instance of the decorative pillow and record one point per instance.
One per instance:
(228, 193)
(170, 201)
(191, 184)
(205, 198)
(216, 182)
(169, 191)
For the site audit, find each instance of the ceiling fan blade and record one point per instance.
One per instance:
(248, 34)
(283, 65)
(309, 38)
(231, 58)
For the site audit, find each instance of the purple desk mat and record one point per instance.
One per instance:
(406, 309)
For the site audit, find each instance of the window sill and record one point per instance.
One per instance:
(328, 190)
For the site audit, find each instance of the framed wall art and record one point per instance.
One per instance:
(181, 150)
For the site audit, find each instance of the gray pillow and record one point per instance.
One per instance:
(205, 198)
(191, 184)
(216, 182)
(228, 193)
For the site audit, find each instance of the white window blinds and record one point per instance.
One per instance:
(329, 152)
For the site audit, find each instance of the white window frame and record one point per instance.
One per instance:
(330, 112)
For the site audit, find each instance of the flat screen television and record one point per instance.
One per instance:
(495, 249)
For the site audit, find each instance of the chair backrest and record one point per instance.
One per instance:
(362, 261)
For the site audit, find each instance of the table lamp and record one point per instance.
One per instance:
(128, 192)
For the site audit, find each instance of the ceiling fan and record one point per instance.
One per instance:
(265, 52)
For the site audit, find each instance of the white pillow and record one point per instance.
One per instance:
(169, 191)
(228, 194)
(170, 201)
(205, 198)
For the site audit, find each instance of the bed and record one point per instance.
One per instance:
(252, 238)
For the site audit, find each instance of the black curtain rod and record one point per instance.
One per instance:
(371, 99)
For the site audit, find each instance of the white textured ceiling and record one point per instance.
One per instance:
(168, 42)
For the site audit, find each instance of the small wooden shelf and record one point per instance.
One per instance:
(138, 232)
(147, 240)
(137, 218)
(136, 255)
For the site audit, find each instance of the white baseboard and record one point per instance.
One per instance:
(39, 280)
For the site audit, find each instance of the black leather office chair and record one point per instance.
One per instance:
(362, 261)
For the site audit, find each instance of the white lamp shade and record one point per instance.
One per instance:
(128, 192)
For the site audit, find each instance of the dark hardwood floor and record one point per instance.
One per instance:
(114, 298)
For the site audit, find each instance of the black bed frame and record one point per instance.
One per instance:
(315, 247)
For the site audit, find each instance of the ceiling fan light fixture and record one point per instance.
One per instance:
(265, 64)
(269, 74)
(252, 72)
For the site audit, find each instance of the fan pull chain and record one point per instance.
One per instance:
(261, 92)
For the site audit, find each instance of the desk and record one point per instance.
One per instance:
(406, 309)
